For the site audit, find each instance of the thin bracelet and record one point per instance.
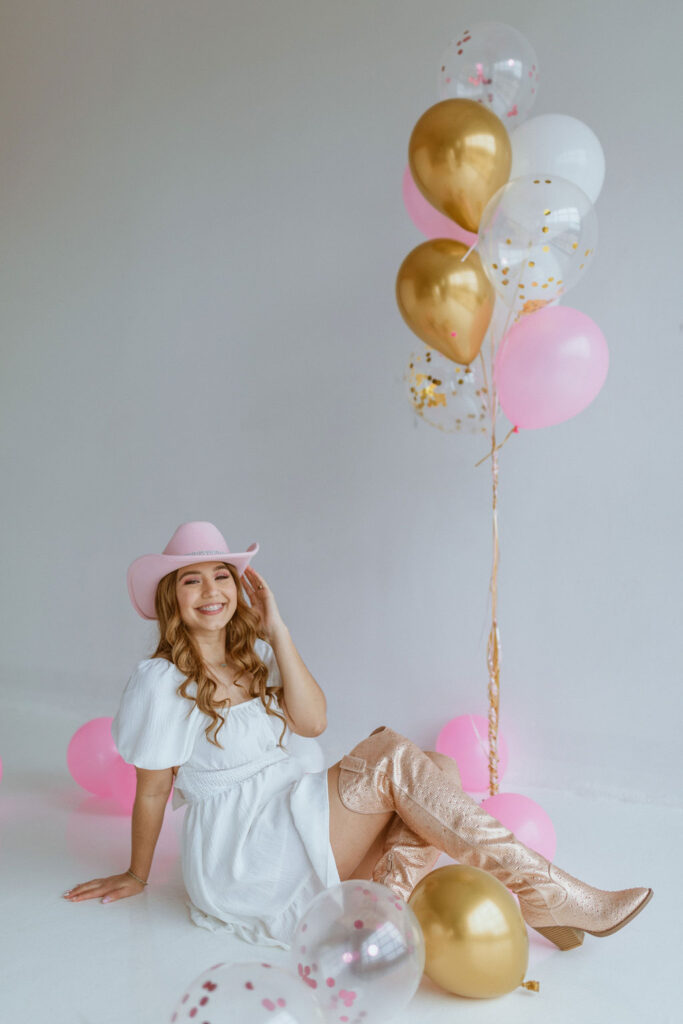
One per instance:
(129, 872)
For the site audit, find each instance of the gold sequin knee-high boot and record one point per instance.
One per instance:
(387, 771)
(406, 858)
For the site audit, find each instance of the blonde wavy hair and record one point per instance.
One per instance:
(177, 646)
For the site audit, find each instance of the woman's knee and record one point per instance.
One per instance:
(391, 740)
(446, 764)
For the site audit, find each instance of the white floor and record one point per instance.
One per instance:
(130, 961)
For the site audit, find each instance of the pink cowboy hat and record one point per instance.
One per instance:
(192, 542)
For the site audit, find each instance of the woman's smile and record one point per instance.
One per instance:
(211, 609)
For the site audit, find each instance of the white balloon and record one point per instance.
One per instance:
(562, 145)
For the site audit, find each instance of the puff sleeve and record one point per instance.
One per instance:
(155, 727)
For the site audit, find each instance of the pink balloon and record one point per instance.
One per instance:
(90, 755)
(465, 739)
(427, 219)
(529, 822)
(550, 366)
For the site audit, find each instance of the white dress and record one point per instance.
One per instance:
(255, 845)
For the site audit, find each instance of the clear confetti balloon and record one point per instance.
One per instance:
(537, 237)
(447, 395)
(493, 64)
(361, 950)
(256, 993)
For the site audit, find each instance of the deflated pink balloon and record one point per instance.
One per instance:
(523, 816)
(550, 366)
(428, 220)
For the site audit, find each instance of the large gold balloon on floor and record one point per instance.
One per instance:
(475, 939)
(448, 303)
(460, 155)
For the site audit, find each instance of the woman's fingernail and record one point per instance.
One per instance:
(107, 899)
(67, 893)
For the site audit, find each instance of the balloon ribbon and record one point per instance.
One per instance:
(493, 646)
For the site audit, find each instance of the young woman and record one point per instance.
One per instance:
(261, 837)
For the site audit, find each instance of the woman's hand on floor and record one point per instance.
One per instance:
(116, 887)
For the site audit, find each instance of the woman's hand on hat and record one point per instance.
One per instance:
(262, 601)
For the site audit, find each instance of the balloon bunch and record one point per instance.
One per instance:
(507, 206)
(508, 211)
(357, 956)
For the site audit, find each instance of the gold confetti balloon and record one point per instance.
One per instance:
(447, 395)
(476, 942)
(445, 299)
(460, 155)
(537, 237)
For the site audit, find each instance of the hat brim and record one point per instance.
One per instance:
(144, 573)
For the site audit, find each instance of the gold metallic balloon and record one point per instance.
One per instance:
(475, 939)
(448, 303)
(460, 155)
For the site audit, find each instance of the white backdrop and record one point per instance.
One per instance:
(201, 226)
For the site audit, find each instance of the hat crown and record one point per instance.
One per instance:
(197, 539)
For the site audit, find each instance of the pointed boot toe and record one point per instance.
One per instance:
(562, 908)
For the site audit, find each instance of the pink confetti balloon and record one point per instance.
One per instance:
(90, 756)
(247, 993)
(494, 64)
(360, 948)
(549, 367)
(523, 816)
(465, 739)
(427, 219)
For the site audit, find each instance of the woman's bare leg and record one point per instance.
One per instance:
(351, 834)
(357, 840)
(367, 864)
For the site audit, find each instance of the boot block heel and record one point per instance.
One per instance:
(562, 936)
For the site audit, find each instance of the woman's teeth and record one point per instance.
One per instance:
(210, 609)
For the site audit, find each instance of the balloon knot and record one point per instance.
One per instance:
(532, 986)
(515, 430)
